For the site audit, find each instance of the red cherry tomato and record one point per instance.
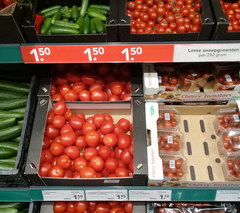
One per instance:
(59, 108)
(102, 208)
(81, 206)
(88, 78)
(64, 161)
(87, 172)
(58, 121)
(107, 127)
(56, 171)
(92, 138)
(90, 152)
(57, 97)
(76, 122)
(79, 86)
(59, 206)
(72, 151)
(51, 132)
(104, 152)
(79, 163)
(46, 143)
(66, 128)
(73, 76)
(96, 163)
(121, 172)
(68, 138)
(110, 140)
(46, 156)
(50, 117)
(56, 149)
(88, 127)
(124, 141)
(44, 169)
(111, 164)
(97, 95)
(98, 119)
(81, 142)
(125, 157)
(124, 124)
(84, 95)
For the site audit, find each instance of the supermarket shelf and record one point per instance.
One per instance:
(10, 54)
(121, 52)
(118, 194)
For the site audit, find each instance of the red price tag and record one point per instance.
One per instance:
(97, 53)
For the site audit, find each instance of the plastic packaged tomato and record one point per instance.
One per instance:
(193, 79)
(229, 144)
(174, 167)
(169, 119)
(226, 80)
(228, 119)
(231, 168)
(184, 207)
(170, 142)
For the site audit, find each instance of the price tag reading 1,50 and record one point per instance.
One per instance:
(39, 53)
(93, 52)
(63, 195)
(131, 52)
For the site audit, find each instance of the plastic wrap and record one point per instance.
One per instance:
(191, 208)
(231, 168)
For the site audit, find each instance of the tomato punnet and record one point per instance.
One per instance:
(80, 146)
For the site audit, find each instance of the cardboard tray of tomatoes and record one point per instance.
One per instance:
(201, 34)
(131, 170)
(31, 34)
(222, 30)
(130, 74)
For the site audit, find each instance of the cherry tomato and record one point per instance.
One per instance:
(56, 149)
(59, 206)
(121, 172)
(125, 157)
(84, 95)
(102, 208)
(56, 171)
(124, 124)
(51, 132)
(96, 163)
(60, 108)
(64, 89)
(80, 142)
(73, 76)
(111, 164)
(46, 143)
(92, 138)
(79, 163)
(76, 122)
(68, 114)
(68, 138)
(81, 206)
(71, 95)
(57, 97)
(88, 78)
(97, 95)
(123, 141)
(66, 128)
(64, 161)
(44, 169)
(110, 140)
(90, 152)
(79, 86)
(88, 127)
(72, 151)
(107, 127)
(87, 172)
(46, 156)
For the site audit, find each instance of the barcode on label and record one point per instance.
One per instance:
(167, 116)
(228, 78)
(194, 74)
(159, 79)
(236, 118)
(170, 139)
(172, 164)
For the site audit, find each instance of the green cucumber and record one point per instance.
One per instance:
(7, 153)
(65, 20)
(20, 110)
(10, 161)
(63, 24)
(6, 166)
(23, 211)
(10, 145)
(20, 122)
(79, 22)
(93, 27)
(16, 140)
(83, 8)
(10, 132)
(46, 10)
(50, 13)
(11, 205)
(4, 123)
(9, 114)
(46, 25)
(9, 210)
(85, 25)
(104, 12)
(9, 95)
(74, 12)
(95, 14)
(56, 16)
(14, 87)
(66, 12)
(99, 7)
(13, 104)
(63, 30)
(99, 25)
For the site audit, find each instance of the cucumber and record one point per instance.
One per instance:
(10, 145)
(21, 110)
(13, 104)
(8, 210)
(9, 114)
(7, 153)
(4, 123)
(6, 166)
(23, 211)
(10, 161)
(16, 140)
(10, 132)
(20, 122)
(99, 7)
(11, 205)
(9, 95)
(14, 87)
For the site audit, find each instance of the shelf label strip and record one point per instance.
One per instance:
(227, 195)
(63, 195)
(97, 53)
(105, 195)
(150, 195)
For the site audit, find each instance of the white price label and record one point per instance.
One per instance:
(63, 195)
(228, 78)
(113, 195)
(167, 116)
(236, 118)
(150, 195)
(172, 164)
(170, 139)
(227, 195)
(159, 79)
(206, 52)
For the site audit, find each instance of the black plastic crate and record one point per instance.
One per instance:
(15, 177)
(220, 31)
(204, 34)
(137, 112)
(111, 24)
(135, 79)
(11, 24)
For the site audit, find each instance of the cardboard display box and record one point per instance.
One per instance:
(131, 111)
(204, 166)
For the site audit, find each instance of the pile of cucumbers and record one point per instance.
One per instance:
(14, 207)
(85, 19)
(13, 100)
